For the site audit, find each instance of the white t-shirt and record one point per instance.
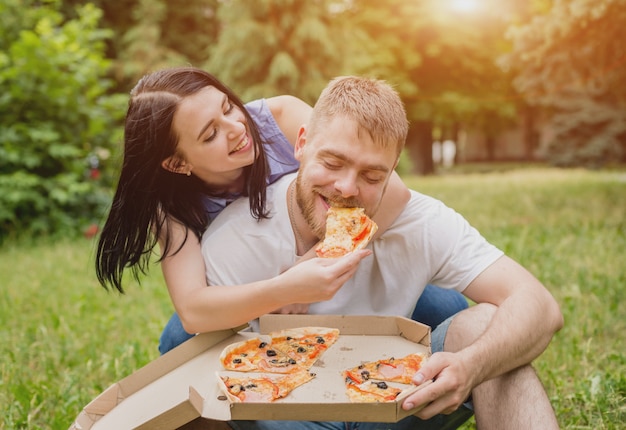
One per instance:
(428, 243)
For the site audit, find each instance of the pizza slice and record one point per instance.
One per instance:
(347, 229)
(254, 355)
(262, 388)
(390, 369)
(304, 345)
(368, 391)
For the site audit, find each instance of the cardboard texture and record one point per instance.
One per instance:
(180, 390)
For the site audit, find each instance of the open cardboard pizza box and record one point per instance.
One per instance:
(180, 389)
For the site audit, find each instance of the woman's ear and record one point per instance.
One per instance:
(175, 164)
(300, 142)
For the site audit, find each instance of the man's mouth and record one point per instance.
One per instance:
(241, 145)
(338, 202)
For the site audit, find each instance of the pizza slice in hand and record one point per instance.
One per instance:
(347, 229)
(263, 388)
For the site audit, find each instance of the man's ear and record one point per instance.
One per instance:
(300, 142)
(175, 164)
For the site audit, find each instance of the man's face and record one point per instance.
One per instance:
(340, 166)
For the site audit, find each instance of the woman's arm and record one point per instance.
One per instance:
(217, 307)
(290, 113)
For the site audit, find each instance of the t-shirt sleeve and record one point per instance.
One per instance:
(459, 253)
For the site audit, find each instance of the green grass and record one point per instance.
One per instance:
(64, 340)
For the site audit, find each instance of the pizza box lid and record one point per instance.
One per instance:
(180, 388)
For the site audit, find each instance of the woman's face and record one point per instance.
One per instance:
(213, 138)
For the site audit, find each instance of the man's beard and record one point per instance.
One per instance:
(307, 207)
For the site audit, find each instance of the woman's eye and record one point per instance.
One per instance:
(229, 108)
(211, 136)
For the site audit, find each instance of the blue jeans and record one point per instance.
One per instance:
(438, 422)
(433, 307)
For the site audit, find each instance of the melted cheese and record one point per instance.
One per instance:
(347, 229)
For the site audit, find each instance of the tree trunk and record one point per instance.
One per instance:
(490, 145)
(419, 143)
(530, 135)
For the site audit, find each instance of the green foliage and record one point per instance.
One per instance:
(55, 119)
(570, 61)
(270, 47)
(64, 339)
(149, 35)
(142, 48)
(444, 68)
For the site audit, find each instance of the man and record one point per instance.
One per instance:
(347, 153)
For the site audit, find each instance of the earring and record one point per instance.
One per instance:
(189, 173)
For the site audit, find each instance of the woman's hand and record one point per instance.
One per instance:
(319, 279)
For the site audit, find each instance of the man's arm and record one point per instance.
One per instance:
(525, 319)
(524, 323)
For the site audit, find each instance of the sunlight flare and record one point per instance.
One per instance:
(464, 5)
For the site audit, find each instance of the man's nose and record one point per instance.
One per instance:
(346, 185)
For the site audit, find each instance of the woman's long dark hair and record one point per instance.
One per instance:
(148, 196)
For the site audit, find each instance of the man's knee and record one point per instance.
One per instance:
(468, 325)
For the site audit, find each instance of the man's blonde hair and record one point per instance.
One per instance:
(372, 103)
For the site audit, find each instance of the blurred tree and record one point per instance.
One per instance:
(444, 68)
(570, 61)
(56, 123)
(270, 47)
(148, 35)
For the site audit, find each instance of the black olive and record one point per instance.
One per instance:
(381, 385)
(251, 386)
(292, 361)
(301, 349)
(237, 360)
(289, 337)
(262, 344)
(320, 340)
(365, 374)
(271, 353)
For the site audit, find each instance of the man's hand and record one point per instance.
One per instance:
(451, 386)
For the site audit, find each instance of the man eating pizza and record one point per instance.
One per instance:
(347, 152)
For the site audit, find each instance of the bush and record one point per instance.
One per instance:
(57, 123)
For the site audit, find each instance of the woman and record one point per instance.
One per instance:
(191, 147)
